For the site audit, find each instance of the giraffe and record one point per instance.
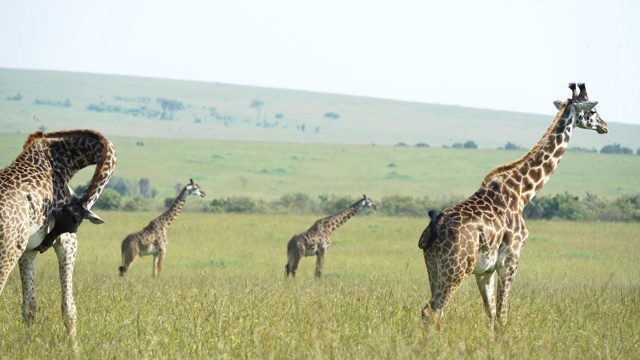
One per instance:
(485, 233)
(34, 193)
(315, 241)
(152, 239)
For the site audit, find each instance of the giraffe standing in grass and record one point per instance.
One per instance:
(315, 241)
(485, 233)
(153, 238)
(34, 193)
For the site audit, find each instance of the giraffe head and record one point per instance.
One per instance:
(68, 220)
(366, 202)
(582, 111)
(194, 189)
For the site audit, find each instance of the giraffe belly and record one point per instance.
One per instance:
(36, 237)
(148, 250)
(487, 262)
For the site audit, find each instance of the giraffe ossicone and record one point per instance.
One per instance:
(152, 239)
(484, 234)
(315, 241)
(34, 193)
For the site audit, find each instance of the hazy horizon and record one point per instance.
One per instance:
(492, 55)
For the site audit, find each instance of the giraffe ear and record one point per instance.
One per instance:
(558, 104)
(95, 219)
(586, 106)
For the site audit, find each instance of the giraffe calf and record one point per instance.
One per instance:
(152, 239)
(315, 241)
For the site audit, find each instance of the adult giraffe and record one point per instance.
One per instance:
(485, 233)
(34, 193)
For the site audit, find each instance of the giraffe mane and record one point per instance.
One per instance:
(507, 167)
(32, 139)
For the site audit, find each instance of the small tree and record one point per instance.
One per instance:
(171, 106)
(512, 146)
(616, 149)
(470, 145)
(145, 188)
(331, 116)
(257, 104)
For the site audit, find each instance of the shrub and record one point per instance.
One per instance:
(296, 204)
(237, 204)
(616, 149)
(109, 200)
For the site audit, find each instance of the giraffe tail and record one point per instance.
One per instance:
(430, 234)
(122, 269)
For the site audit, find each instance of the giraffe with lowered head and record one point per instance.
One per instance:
(152, 239)
(34, 193)
(484, 234)
(315, 241)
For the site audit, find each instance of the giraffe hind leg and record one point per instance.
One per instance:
(295, 252)
(29, 303)
(129, 254)
(292, 266)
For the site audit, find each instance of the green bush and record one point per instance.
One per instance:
(237, 204)
(109, 200)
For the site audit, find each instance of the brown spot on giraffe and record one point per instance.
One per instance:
(33, 194)
(469, 238)
(315, 241)
(152, 239)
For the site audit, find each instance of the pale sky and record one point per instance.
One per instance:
(506, 55)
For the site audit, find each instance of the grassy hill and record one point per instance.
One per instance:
(122, 106)
(268, 170)
(217, 139)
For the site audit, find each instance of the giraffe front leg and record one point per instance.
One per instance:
(66, 249)
(435, 314)
(486, 287)
(320, 262)
(27, 264)
(506, 276)
(159, 261)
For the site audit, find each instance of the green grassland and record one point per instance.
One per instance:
(263, 170)
(223, 295)
(222, 112)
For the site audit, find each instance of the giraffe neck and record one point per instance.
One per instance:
(331, 223)
(525, 177)
(69, 152)
(166, 218)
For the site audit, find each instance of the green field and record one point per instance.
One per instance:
(223, 295)
(267, 171)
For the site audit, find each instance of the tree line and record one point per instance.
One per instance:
(129, 195)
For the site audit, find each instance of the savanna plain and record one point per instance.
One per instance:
(223, 295)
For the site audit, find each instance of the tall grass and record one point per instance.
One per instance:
(223, 295)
